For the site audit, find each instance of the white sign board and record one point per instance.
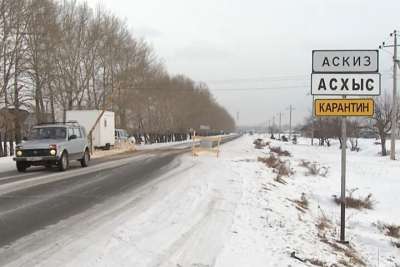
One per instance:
(355, 84)
(345, 61)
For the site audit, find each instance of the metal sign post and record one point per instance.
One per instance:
(344, 73)
(343, 181)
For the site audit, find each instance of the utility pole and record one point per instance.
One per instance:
(394, 104)
(394, 108)
(290, 121)
(280, 124)
(273, 125)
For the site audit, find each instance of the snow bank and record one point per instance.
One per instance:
(177, 145)
(7, 164)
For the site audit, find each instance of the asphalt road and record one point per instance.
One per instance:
(32, 201)
(39, 199)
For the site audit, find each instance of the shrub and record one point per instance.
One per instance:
(278, 150)
(323, 223)
(272, 161)
(348, 251)
(260, 144)
(283, 169)
(313, 168)
(280, 167)
(356, 203)
(391, 230)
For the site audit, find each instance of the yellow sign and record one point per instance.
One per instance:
(344, 107)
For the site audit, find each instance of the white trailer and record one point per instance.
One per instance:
(103, 135)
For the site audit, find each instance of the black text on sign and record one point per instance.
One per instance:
(346, 84)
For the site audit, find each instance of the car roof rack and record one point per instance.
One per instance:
(73, 123)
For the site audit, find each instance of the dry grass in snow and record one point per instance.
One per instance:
(260, 143)
(279, 166)
(314, 169)
(302, 203)
(392, 231)
(356, 202)
(278, 150)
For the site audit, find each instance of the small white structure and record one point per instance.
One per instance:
(103, 135)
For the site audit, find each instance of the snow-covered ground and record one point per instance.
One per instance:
(177, 145)
(6, 164)
(231, 211)
(270, 226)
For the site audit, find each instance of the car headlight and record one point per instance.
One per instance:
(19, 153)
(53, 152)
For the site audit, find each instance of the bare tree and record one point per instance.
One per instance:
(382, 119)
(62, 55)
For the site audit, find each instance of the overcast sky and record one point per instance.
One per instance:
(252, 44)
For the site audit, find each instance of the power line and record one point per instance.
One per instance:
(267, 78)
(261, 88)
(166, 89)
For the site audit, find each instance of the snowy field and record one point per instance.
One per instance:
(232, 211)
(270, 224)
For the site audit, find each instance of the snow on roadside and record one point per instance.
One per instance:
(6, 164)
(177, 145)
(269, 225)
(117, 149)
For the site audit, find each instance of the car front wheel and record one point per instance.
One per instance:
(63, 163)
(21, 166)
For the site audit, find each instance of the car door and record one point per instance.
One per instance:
(80, 140)
(73, 144)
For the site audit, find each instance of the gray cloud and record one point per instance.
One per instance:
(202, 51)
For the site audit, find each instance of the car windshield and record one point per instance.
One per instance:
(48, 133)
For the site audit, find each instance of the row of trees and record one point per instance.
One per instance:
(379, 126)
(61, 55)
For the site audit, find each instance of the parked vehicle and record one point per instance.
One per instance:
(103, 135)
(121, 136)
(53, 144)
(132, 140)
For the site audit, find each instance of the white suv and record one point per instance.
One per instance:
(53, 144)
